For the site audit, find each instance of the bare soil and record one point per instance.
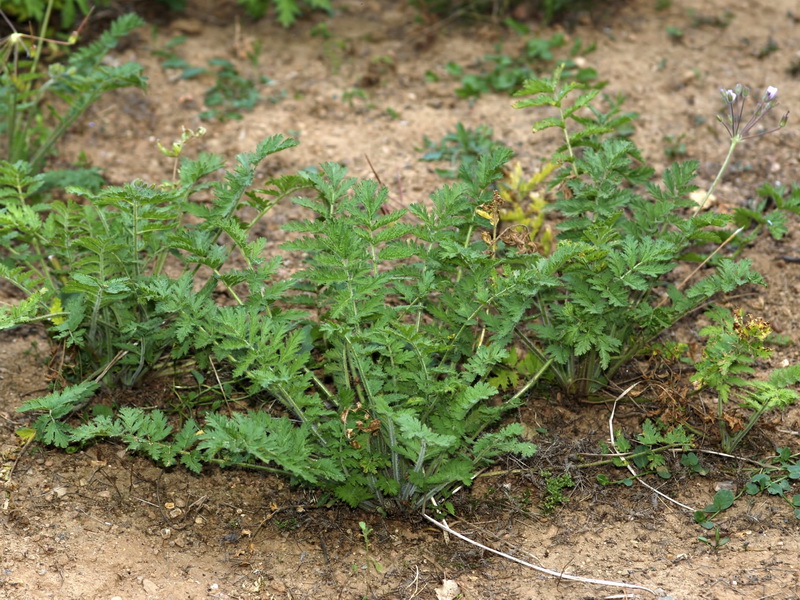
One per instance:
(103, 524)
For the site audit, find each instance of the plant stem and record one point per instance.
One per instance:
(734, 142)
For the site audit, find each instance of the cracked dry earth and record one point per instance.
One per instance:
(103, 524)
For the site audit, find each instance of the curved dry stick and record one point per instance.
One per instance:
(628, 464)
(556, 574)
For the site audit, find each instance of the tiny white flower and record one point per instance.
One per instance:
(770, 94)
(728, 95)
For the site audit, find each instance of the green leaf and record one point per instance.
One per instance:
(723, 500)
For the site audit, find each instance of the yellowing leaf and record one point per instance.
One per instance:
(25, 434)
(486, 215)
(57, 307)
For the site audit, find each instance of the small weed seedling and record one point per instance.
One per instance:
(775, 481)
(171, 60)
(554, 494)
(176, 149)
(501, 73)
(357, 98)
(722, 501)
(462, 148)
(647, 455)
(770, 47)
(674, 33)
(287, 11)
(366, 531)
(674, 146)
(779, 480)
(770, 211)
(232, 93)
(721, 21)
(715, 542)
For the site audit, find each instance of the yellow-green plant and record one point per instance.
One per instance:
(525, 201)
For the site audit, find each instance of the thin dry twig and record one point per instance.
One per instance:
(557, 574)
(374, 172)
(219, 383)
(415, 583)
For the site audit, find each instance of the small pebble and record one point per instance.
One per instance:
(149, 586)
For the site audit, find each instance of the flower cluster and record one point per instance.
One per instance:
(735, 100)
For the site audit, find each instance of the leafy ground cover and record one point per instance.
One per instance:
(378, 560)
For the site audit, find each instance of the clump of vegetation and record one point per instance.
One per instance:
(231, 94)
(554, 491)
(383, 370)
(406, 416)
(548, 9)
(735, 342)
(502, 73)
(30, 125)
(286, 11)
(609, 304)
(462, 147)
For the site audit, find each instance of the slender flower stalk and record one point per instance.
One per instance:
(737, 128)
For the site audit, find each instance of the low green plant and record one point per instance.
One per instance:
(92, 267)
(675, 33)
(172, 60)
(701, 20)
(377, 352)
(370, 371)
(735, 342)
(722, 501)
(776, 479)
(554, 491)
(502, 73)
(770, 47)
(231, 94)
(286, 11)
(464, 146)
(646, 452)
(321, 30)
(615, 297)
(547, 9)
(30, 124)
(366, 531)
(716, 542)
(779, 479)
(674, 146)
(770, 211)
(357, 98)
